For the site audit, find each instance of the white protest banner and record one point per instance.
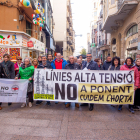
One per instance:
(13, 90)
(104, 87)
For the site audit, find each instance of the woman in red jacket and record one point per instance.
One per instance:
(129, 66)
(137, 92)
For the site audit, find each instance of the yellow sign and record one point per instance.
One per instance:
(44, 96)
(106, 93)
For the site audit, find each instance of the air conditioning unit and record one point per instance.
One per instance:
(21, 17)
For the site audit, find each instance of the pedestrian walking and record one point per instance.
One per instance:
(98, 61)
(130, 66)
(35, 63)
(18, 64)
(7, 70)
(26, 71)
(137, 92)
(58, 63)
(74, 66)
(44, 65)
(90, 65)
(107, 63)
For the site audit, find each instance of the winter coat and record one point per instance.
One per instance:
(26, 73)
(76, 66)
(64, 63)
(16, 66)
(92, 65)
(10, 68)
(106, 65)
(139, 79)
(48, 66)
(111, 67)
(136, 73)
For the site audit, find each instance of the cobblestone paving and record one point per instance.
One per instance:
(56, 122)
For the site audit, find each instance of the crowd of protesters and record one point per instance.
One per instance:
(24, 69)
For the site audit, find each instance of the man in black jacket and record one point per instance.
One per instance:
(49, 59)
(74, 66)
(107, 63)
(44, 65)
(90, 65)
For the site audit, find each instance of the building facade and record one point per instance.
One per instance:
(18, 35)
(122, 20)
(63, 32)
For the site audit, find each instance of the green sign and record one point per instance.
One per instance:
(93, 45)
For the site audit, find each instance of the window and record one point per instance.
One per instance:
(133, 30)
(41, 38)
(112, 2)
(95, 13)
(94, 4)
(28, 27)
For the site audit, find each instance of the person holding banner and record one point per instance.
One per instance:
(107, 63)
(58, 63)
(129, 66)
(90, 65)
(26, 71)
(7, 70)
(44, 65)
(35, 63)
(137, 92)
(74, 66)
(115, 64)
(18, 64)
(98, 61)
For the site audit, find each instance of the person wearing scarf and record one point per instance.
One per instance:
(26, 71)
(18, 64)
(35, 63)
(98, 61)
(7, 70)
(137, 92)
(129, 66)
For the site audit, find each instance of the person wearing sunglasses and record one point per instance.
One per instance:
(18, 64)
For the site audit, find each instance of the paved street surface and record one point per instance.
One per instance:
(56, 122)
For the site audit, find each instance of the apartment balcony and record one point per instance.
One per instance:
(115, 20)
(68, 28)
(101, 14)
(68, 17)
(69, 40)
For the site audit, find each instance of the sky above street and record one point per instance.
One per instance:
(82, 13)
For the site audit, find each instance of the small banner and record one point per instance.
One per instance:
(13, 90)
(84, 86)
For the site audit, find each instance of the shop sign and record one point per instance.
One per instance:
(114, 48)
(30, 44)
(38, 45)
(133, 41)
(10, 39)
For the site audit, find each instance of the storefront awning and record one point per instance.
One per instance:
(120, 15)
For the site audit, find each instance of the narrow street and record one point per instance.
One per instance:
(56, 122)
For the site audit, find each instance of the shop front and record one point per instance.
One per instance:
(36, 49)
(105, 52)
(12, 43)
(132, 46)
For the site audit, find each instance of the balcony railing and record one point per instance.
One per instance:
(120, 2)
(101, 14)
